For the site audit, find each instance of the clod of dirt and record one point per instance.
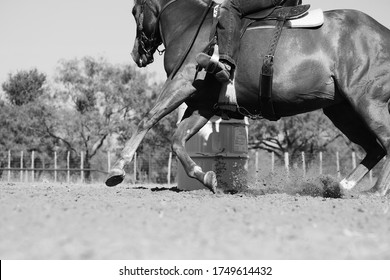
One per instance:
(332, 188)
(324, 186)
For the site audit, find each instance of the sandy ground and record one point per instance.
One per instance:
(62, 221)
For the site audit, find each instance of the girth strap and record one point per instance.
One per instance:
(266, 78)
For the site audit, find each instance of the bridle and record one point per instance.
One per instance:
(149, 45)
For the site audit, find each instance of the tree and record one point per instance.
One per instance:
(92, 105)
(95, 101)
(24, 87)
(20, 126)
(311, 132)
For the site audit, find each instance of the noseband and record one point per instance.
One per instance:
(150, 44)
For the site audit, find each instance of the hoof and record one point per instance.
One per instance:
(115, 177)
(210, 181)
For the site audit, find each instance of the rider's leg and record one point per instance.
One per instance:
(228, 31)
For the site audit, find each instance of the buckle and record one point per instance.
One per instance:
(269, 58)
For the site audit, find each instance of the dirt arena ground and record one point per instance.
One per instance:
(74, 221)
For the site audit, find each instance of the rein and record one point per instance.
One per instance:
(188, 49)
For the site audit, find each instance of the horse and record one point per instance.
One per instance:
(341, 67)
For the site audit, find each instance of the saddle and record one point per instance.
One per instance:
(291, 9)
(272, 13)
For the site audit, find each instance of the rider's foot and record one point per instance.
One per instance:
(221, 69)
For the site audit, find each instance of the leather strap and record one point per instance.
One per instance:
(267, 71)
(214, 36)
(191, 43)
(213, 31)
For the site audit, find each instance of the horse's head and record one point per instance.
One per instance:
(146, 14)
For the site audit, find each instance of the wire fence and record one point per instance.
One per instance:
(72, 167)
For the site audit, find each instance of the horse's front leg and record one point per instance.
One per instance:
(192, 122)
(172, 95)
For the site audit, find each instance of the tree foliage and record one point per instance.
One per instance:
(98, 103)
(20, 115)
(24, 87)
(92, 105)
(311, 132)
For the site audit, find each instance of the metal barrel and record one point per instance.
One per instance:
(220, 146)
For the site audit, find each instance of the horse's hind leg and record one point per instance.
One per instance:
(345, 118)
(192, 122)
(375, 111)
(373, 106)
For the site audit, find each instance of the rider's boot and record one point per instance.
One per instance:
(222, 69)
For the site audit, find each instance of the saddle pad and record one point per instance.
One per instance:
(312, 19)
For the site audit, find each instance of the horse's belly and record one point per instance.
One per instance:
(303, 80)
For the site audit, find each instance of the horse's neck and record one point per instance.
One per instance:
(180, 18)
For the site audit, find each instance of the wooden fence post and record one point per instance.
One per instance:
(272, 162)
(21, 166)
(256, 161)
(108, 161)
(68, 167)
(169, 169)
(82, 166)
(32, 166)
(26, 175)
(338, 165)
(303, 164)
(287, 163)
(321, 163)
(55, 166)
(135, 168)
(149, 167)
(9, 165)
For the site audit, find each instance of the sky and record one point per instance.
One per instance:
(39, 33)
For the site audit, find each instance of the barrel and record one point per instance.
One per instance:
(220, 146)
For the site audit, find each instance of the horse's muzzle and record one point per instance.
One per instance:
(141, 59)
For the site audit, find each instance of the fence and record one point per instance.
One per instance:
(337, 164)
(71, 167)
(147, 168)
